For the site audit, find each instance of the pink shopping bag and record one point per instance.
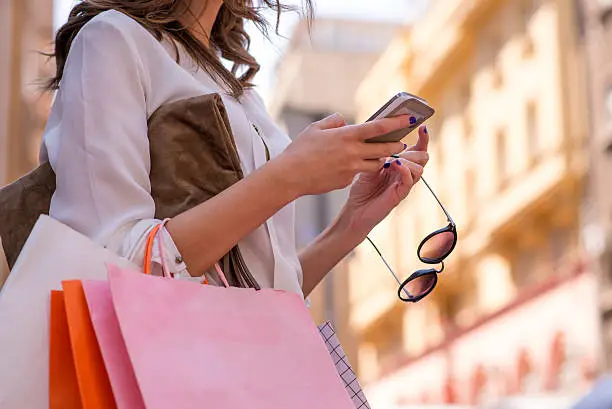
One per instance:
(194, 345)
(112, 347)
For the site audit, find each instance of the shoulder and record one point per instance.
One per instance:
(256, 96)
(117, 38)
(116, 25)
(112, 43)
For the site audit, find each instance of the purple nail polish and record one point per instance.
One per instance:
(405, 146)
(386, 165)
(398, 162)
(412, 120)
(425, 129)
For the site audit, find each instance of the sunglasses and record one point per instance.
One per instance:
(433, 250)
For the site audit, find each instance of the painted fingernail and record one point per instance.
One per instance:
(395, 155)
(412, 120)
(386, 165)
(398, 162)
(424, 129)
(405, 146)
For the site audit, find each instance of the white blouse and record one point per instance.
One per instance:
(116, 75)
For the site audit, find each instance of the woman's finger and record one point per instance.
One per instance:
(407, 180)
(375, 128)
(415, 170)
(418, 157)
(331, 122)
(422, 142)
(372, 165)
(380, 150)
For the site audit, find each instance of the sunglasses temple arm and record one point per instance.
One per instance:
(450, 219)
(389, 267)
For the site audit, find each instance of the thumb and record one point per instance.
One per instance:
(333, 121)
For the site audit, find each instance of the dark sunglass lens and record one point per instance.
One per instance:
(420, 285)
(437, 247)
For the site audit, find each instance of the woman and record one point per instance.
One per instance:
(120, 60)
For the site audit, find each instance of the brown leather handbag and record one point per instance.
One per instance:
(193, 158)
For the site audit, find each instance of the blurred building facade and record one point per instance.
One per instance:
(26, 27)
(514, 312)
(597, 31)
(317, 76)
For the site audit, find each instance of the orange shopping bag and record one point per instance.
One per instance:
(63, 386)
(93, 383)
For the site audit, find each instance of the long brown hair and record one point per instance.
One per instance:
(163, 17)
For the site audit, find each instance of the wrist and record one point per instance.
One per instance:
(285, 177)
(348, 227)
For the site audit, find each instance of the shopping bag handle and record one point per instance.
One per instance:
(159, 230)
(148, 256)
(221, 275)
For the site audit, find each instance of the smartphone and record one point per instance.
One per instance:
(402, 104)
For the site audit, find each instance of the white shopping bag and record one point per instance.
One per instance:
(52, 253)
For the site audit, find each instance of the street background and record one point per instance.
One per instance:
(521, 156)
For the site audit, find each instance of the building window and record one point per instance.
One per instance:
(386, 335)
(490, 47)
(528, 46)
(525, 268)
(526, 11)
(557, 363)
(502, 158)
(497, 75)
(559, 242)
(465, 97)
(479, 385)
(528, 382)
(534, 139)
(467, 127)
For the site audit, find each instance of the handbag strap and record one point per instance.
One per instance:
(160, 230)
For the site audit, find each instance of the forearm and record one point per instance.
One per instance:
(328, 249)
(208, 231)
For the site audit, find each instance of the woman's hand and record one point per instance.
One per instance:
(329, 154)
(374, 194)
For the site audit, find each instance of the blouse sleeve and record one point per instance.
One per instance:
(100, 151)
